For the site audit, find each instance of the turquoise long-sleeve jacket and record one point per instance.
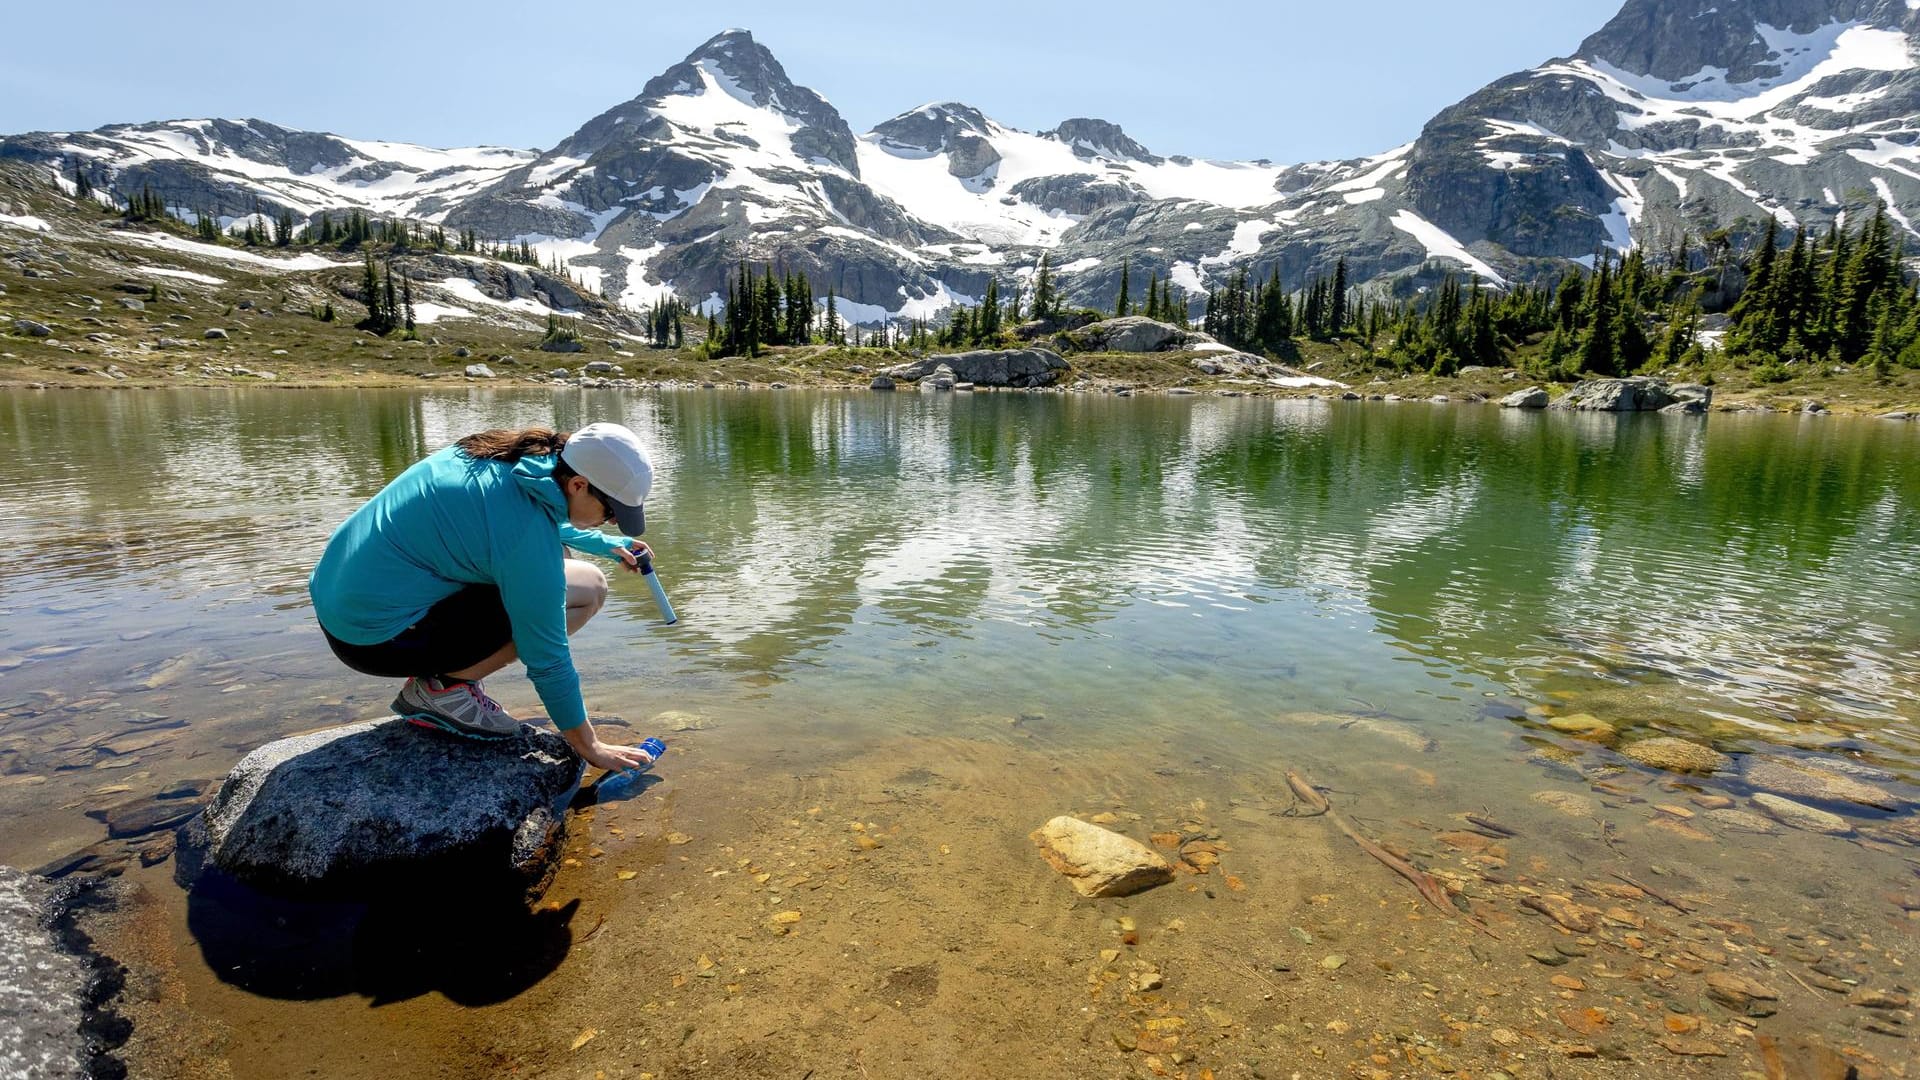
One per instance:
(450, 521)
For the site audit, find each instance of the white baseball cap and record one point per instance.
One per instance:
(612, 460)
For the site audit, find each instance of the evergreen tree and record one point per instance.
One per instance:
(1752, 315)
(1043, 293)
(380, 306)
(1598, 351)
(1120, 305)
(1683, 327)
(987, 326)
(1337, 317)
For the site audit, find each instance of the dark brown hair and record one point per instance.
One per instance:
(503, 445)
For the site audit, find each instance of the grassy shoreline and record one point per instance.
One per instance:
(1091, 373)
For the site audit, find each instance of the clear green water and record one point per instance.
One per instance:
(846, 564)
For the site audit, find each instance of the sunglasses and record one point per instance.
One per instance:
(606, 504)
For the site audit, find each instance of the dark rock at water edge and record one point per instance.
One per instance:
(364, 810)
(987, 367)
(150, 813)
(51, 987)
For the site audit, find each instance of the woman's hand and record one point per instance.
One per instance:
(613, 757)
(609, 756)
(630, 556)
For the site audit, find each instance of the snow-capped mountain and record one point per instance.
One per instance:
(1684, 116)
(1678, 115)
(225, 166)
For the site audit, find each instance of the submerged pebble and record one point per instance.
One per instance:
(1676, 755)
(1799, 816)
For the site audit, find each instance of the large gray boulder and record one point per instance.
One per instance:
(989, 367)
(1130, 334)
(1533, 397)
(1636, 394)
(43, 989)
(367, 809)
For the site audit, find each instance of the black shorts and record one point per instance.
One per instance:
(455, 633)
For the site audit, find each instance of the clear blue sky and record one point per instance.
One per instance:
(1286, 80)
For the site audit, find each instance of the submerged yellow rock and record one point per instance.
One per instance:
(1100, 862)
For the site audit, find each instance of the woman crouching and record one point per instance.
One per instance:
(457, 568)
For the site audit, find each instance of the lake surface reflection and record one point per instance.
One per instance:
(855, 562)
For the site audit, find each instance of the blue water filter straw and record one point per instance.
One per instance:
(659, 591)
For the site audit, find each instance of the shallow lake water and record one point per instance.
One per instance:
(974, 612)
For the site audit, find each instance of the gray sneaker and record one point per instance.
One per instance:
(462, 708)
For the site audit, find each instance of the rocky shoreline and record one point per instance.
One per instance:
(1086, 386)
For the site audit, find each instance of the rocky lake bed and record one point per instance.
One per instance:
(881, 907)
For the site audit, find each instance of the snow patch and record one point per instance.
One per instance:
(428, 313)
(1245, 242)
(219, 254)
(1441, 245)
(1804, 59)
(1626, 212)
(25, 221)
(543, 175)
(1893, 208)
(641, 293)
(465, 289)
(188, 275)
(911, 307)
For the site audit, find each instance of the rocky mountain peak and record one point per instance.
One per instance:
(749, 64)
(732, 62)
(1090, 137)
(932, 127)
(1752, 40)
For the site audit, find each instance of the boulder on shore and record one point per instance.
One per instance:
(1533, 397)
(989, 367)
(1129, 334)
(1100, 862)
(43, 988)
(360, 811)
(1637, 394)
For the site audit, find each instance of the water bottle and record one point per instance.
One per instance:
(659, 591)
(614, 783)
